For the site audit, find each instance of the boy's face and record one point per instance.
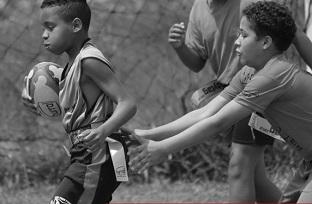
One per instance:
(57, 34)
(249, 47)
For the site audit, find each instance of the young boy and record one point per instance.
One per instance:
(209, 40)
(273, 87)
(88, 91)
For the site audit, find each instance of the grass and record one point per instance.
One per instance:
(160, 191)
(163, 191)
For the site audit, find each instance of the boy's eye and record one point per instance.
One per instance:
(49, 27)
(241, 33)
(237, 34)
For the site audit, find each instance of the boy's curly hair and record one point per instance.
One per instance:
(272, 19)
(71, 9)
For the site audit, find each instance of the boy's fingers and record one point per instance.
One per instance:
(140, 163)
(136, 155)
(94, 146)
(143, 168)
(135, 151)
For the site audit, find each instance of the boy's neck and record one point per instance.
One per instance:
(266, 58)
(215, 4)
(74, 51)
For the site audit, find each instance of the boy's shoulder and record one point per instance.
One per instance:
(89, 50)
(279, 69)
(279, 64)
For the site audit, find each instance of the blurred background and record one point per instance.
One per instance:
(133, 35)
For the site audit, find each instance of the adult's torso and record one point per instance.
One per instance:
(212, 33)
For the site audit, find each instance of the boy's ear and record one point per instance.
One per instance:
(77, 24)
(267, 42)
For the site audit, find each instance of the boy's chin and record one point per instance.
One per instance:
(243, 62)
(54, 52)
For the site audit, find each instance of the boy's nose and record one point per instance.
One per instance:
(45, 35)
(237, 41)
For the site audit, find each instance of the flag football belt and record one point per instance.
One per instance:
(116, 150)
(261, 124)
(207, 91)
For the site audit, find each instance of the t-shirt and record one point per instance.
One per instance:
(282, 93)
(76, 113)
(212, 33)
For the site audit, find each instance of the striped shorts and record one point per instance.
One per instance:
(90, 178)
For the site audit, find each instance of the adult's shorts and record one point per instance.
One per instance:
(242, 134)
(86, 181)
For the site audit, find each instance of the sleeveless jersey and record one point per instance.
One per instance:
(75, 112)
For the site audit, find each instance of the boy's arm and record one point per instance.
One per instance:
(154, 152)
(105, 79)
(304, 46)
(175, 127)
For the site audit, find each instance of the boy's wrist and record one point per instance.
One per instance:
(162, 147)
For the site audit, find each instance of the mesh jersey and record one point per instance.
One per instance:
(76, 114)
(282, 92)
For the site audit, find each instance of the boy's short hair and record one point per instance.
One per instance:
(272, 19)
(71, 9)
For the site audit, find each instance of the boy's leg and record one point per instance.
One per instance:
(90, 179)
(241, 174)
(71, 192)
(68, 192)
(247, 176)
(306, 194)
(263, 183)
(297, 183)
(107, 184)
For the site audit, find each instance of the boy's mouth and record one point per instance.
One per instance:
(46, 45)
(238, 52)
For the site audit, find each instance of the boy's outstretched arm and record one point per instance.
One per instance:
(125, 109)
(180, 124)
(153, 152)
(304, 46)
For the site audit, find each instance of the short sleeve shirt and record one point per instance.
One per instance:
(282, 92)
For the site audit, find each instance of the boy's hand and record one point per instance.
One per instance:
(176, 37)
(93, 138)
(28, 101)
(130, 138)
(143, 156)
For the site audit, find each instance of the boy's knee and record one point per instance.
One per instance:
(237, 168)
(242, 162)
(59, 200)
